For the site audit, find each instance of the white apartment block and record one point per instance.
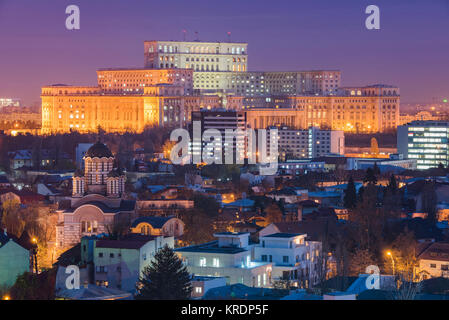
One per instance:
(229, 257)
(310, 143)
(293, 257)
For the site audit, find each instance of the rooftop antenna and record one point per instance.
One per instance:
(184, 33)
(196, 36)
(229, 36)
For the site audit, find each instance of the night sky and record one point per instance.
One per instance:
(411, 50)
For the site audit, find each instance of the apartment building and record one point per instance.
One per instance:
(232, 127)
(308, 143)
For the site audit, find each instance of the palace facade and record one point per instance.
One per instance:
(182, 77)
(85, 109)
(359, 110)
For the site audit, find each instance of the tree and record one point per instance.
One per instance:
(198, 226)
(368, 219)
(392, 186)
(361, 259)
(206, 204)
(31, 286)
(370, 177)
(392, 199)
(407, 290)
(11, 218)
(403, 253)
(429, 200)
(282, 284)
(166, 278)
(350, 198)
(273, 213)
(376, 169)
(167, 148)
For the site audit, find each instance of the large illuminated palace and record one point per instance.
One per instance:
(181, 77)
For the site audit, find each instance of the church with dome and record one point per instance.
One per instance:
(96, 204)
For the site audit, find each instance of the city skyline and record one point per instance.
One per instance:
(408, 51)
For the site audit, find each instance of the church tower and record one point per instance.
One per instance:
(99, 176)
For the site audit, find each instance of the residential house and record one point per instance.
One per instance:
(241, 205)
(23, 196)
(288, 195)
(228, 257)
(326, 198)
(119, 263)
(20, 158)
(14, 259)
(315, 229)
(434, 261)
(4, 182)
(293, 257)
(201, 285)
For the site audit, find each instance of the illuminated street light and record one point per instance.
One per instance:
(6, 297)
(34, 253)
(392, 259)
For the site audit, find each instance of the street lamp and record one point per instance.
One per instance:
(392, 259)
(6, 297)
(34, 252)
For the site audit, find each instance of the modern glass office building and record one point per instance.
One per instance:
(425, 141)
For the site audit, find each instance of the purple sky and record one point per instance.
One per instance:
(411, 50)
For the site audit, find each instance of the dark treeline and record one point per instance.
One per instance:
(385, 140)
(63, 145)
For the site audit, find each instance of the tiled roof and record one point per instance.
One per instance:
(314, 229)
(438, 251)
(26, 196)
(24, 240)
(308, 203)
(284, 192)
(240, 203)
(132, 241)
